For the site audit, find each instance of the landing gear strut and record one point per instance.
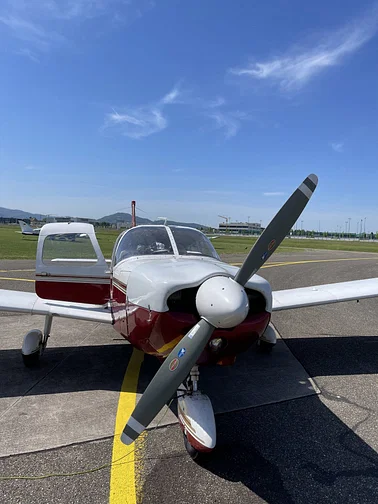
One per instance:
(268, 340)
(196, 417)
(35, 343)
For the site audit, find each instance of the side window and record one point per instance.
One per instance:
(68, 248)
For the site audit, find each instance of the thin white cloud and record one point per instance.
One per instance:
(138, 123)
(142, 121)
(224, 122)
(171, 97)
(293, 70)
(31, 20)
(229, 122)
(218, 102)
(28, 31)
(31, 167)
(223, 119)
(278, 193)
(178, 170)
(338, 146)
(28, 54)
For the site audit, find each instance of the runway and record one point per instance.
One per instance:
(305, 448)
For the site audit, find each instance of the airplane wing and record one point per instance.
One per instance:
(27, 302)
(324, 294)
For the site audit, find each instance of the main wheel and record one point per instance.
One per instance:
(265, 346)
(31, 347)
(31, 360)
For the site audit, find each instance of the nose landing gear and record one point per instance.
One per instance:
(196, 417)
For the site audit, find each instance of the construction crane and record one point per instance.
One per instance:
(227, 219)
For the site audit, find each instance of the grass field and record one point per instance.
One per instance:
(14, 245)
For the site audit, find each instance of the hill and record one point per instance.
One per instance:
(126, 217)
(123, 217)
(9, 213)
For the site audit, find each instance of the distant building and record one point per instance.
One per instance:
(122, 225)
(74, 219)
(240, 227)
(82, 219)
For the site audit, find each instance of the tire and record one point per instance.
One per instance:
(265, 346)
(31, 360)
(199, 457)
(194, 454)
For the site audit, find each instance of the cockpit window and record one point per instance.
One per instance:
(192, 242)
(144, 240)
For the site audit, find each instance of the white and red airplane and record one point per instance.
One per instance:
(168, 293)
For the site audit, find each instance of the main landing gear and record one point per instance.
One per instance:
(196, 417)
(35, 343)
(268, 340)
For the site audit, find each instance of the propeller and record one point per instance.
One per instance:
(221, 303)
(277, 229)
(164, 384)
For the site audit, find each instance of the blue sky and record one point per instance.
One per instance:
(194, 109)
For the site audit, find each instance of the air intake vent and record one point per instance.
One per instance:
(183, 301)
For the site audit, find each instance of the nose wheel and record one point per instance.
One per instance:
(194, 454)
(196, 418)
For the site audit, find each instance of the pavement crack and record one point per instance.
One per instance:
(329, 478)
(342, 399)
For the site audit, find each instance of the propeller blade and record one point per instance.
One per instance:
(277, 229)
(166, 381)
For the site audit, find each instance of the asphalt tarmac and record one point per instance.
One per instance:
(311, 449)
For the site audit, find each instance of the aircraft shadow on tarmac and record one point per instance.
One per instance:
(103, 366)
(65, 369)
(292, 452)
(336, 355)
(295, 452)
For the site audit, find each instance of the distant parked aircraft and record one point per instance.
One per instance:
(28, 230)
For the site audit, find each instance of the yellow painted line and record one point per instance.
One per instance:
(17, 279)
(122, 476)
(273, 265)
(8, 271)
(170, 345)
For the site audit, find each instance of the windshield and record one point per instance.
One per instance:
(143, 240)
(192, 242)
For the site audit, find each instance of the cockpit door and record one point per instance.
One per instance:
(70, 265)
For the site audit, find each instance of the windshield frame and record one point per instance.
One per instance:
(202, 236)
(175, 251)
